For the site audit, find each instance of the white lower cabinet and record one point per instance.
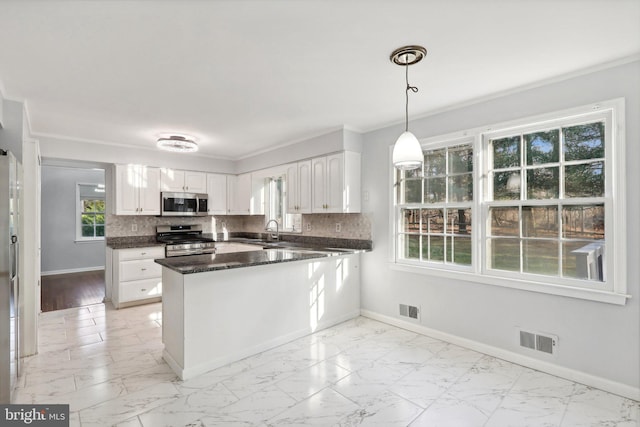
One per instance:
(136, 278)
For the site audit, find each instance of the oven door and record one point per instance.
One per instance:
(179, 204)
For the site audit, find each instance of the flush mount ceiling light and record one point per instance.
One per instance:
(407, 152)
(177, 144)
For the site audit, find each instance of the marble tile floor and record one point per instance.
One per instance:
(107, 365)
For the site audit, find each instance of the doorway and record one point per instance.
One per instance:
(73, 211)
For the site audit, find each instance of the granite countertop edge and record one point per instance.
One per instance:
(205, 263)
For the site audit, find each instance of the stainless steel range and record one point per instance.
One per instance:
(184, 240)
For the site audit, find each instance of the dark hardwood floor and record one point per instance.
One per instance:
(62, 291)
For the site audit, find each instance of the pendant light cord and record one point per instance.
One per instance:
(413, 89)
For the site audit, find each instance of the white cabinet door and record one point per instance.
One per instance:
(172, 180)
(149, 191)
(293, 194)
(239, 194)
(334, 183)
(195, 182)
(318, 179)
(126, 190)
(304, 186)
(217, 191)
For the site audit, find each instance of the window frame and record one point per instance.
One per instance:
(79, 211)
(613, 289)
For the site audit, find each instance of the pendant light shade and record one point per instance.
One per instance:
(407, 152)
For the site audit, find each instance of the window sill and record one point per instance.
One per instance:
(545, 288)
(96, 240)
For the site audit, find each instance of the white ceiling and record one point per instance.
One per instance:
(243, 76)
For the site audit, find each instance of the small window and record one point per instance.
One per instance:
(276, 208)
(91, 212)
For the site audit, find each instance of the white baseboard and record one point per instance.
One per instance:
(614, 387)
(71, 270)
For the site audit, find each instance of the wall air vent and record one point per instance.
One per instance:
(537, 341)
(410, 311)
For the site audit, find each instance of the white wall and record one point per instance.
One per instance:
(598, 339)
(60, 252)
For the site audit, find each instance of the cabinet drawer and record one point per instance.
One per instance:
(139, 269)
(140, 289)
(141, 253)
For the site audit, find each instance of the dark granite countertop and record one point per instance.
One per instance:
(202, 263)
(132, 242)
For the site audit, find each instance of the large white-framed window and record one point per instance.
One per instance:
(545, 205)
(90, 208)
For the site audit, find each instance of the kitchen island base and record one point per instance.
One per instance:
(213, 318)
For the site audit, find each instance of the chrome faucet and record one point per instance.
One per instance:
(273, 236)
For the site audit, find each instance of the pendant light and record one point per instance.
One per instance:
(407, 152)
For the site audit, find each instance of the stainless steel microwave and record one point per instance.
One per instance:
(184, 204)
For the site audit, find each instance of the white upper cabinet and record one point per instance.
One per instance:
(137, 190)
(299, 187)
(336, 183)
(183, 181)
(217, 191)
(239, 194)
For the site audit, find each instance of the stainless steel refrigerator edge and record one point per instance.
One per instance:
(9, 277)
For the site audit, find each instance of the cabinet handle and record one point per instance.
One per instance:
(143, 269)
(143, 253)
(144, 289)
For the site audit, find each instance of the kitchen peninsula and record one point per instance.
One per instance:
(221, 308)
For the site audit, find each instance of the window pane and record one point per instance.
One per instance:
(87, 206)
(540, 221)
(410, 220)
(460, 247)
(460, 160)
(99, 219)
(583, 260)
(434, 190)
(461, 188)
(506, 186)
(505, 254)
(100, 230)
(87, 231)
(542, 183)
(87, 219)
(542, 147)
(506, 152)
(458, 221)
(432, 221)
(99, 205)
(583, 222)
(410, 245)
(584, 142)
(413, 191)
(584, 180)
(435, 163)
(504, 221)
(540, 257)
(433, 248)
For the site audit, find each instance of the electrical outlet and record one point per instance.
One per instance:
(365, 196)
(134, 227)
(308, 226)
(338, 227)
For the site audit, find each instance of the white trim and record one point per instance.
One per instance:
(72, 270)
(605, 384)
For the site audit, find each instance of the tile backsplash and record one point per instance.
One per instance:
(352, 226)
